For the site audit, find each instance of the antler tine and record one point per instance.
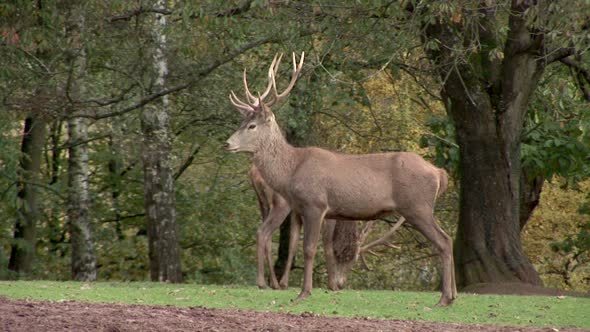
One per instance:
(237, 102)
(272, 70)
(296, 71)
(384, 240)
(242, 107)
(249, 96)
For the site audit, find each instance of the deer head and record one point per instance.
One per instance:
(259, 125)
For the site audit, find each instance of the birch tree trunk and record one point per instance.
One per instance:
(159, 201)
(83, 264)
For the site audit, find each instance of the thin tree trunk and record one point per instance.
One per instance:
(56, 230)
(56, 151)
(83, 260)
(530, 195)
(164, 252)
(23, 249)
(114, 167)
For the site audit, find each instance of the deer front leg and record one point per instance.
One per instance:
(312, 224)
(274, 284)
(331, 264)
(275, 218)
(293, 240)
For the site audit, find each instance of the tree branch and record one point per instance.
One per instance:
(86, 141)
(136, 12)
(559, 54)
(203, 72)
(186, 163)
(577, 66)
(239, 9)
(243, 7)
(135, 215)
(583, 74)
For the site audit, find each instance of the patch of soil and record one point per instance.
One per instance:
(518, 288)
(24, 315)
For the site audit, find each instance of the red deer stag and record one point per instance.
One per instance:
(341, 240)
(318, 184)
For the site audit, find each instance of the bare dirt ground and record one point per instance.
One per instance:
(24, 315)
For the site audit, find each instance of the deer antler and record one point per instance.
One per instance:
(294, 76)
(383, 240)
(253, 99)
(242, 107)
(253, 103)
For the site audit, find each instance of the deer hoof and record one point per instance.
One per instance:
(275, 285)
(262, 286)
(284, 285)
(444, 302)
(333, 287)
(302, 296)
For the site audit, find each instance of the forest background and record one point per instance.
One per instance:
(114, 113)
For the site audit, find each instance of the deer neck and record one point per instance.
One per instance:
(276, 161)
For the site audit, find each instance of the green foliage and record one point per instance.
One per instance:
(557, 133)
(540, 311)
(8, 164)
(555, 238)
(441, 138)
(577, 246)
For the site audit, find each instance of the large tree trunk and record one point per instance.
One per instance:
(487, 97)
(488, 246)
(164, 252)
(83, 260)
(23, 249)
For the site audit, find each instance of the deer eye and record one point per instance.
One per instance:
(252, 126)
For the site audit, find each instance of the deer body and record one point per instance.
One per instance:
(318, 183)
(352, 187)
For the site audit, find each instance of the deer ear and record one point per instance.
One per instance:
(266, 112)
(269, 116)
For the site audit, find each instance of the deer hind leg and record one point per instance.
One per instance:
(427, 225)
(331, 264)
(312, 224)
(294, 232)
(275, 218)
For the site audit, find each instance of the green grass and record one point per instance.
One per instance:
(481, 309)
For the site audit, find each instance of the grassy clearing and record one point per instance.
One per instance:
(480, 309)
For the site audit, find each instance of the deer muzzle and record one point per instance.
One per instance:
(229, 146)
